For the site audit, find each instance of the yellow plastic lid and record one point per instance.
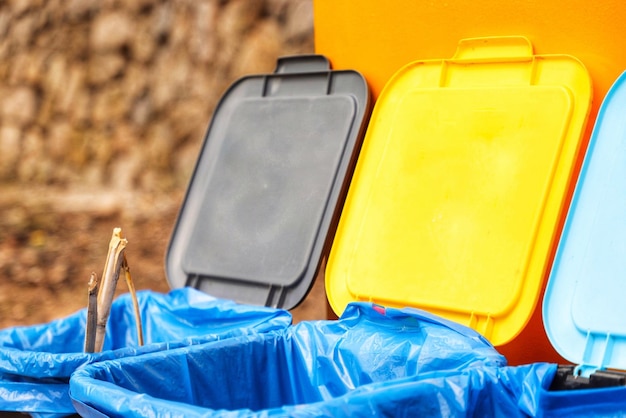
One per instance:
(460, 186)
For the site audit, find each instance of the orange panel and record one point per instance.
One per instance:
(377, 37)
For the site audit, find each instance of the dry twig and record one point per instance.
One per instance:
(92, 313)
(99, 308)
(133, 294)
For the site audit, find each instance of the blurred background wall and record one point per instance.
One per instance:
(103, 108)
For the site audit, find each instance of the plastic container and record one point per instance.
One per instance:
(377, 38)
(584, 306)
(309, 369)
(253, 227)
(36, 361)
(460, 186)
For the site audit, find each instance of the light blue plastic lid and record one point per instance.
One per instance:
(584, 307)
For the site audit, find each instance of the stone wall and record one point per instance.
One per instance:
(118, 94)
(103, 107)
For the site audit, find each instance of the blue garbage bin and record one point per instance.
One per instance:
(297, 370)
(36, 361)
(584, 307)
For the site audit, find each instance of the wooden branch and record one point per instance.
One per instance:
(92, 313)
(133, 294)
(110, 277)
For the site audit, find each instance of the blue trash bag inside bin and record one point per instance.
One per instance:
(520, 391)
(471, 392)
(283, 372)
(36, 361)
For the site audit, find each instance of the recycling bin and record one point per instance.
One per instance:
(252, 230)
(36, 361)
(377, 38)
(583, 307)
(461, 186)
(310, 367)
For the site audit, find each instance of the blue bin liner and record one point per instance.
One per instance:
(305, 368)
(520, 391)
(471, 392)
(36, 361)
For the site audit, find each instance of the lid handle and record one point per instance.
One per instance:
(597, 353)
(302, 64)
(496, 47)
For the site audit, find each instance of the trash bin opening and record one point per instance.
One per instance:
(566, 378)
(313, 361)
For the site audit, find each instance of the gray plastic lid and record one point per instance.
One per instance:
(271, 174)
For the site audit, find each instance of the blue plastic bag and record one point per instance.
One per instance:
(309, 365)
(36, 361)
(520, 391)
(471, 392)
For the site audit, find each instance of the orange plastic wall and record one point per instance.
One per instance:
(378, 37)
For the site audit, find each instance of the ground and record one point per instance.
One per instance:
(52, 239)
